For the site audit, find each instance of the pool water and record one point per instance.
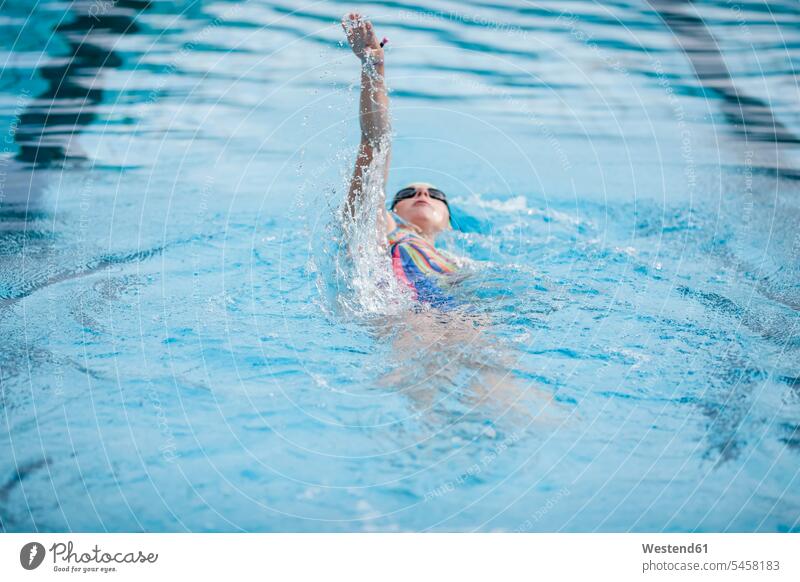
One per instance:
(186, 348)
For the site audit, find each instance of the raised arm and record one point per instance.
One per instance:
(373, 111)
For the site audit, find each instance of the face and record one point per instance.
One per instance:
(430, 214)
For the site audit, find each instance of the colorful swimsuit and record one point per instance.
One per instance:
(420, 265)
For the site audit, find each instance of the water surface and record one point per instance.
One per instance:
(179, 352)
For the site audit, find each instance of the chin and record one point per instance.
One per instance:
(428, 219)
(424, 219)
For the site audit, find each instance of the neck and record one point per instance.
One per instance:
(431, 238)
(428, 236)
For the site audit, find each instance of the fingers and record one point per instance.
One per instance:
(371, 38)
(361, 26)
(354, 24)
(349, 26)
(350, 19)
(347, 22)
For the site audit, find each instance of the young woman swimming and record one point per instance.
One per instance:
(419, 212)
(432, 349)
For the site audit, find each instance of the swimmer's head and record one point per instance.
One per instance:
(424, 205)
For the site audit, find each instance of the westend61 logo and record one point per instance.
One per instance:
(66, 559)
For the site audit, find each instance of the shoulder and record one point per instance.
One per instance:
(395, 222)
(391, 222)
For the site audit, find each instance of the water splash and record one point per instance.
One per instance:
(354, 269)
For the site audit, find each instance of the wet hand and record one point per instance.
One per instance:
(362, 39)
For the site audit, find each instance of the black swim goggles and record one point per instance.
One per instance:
(410, 192)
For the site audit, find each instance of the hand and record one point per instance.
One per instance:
(362, 39)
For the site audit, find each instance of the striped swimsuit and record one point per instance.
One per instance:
(419, 265)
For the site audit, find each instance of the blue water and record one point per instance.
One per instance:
(182, 351)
